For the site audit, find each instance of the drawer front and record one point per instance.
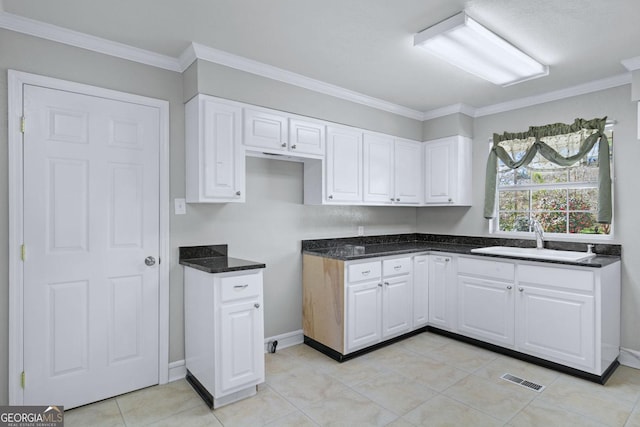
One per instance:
(557, 277)
(239, 287)
(364, 271)
(485, 268)
(392, 267)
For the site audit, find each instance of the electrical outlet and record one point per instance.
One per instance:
(180, 206)
(360, 230)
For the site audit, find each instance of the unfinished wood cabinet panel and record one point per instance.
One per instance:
(323, 300)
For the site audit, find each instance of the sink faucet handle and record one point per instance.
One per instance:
(590, 247)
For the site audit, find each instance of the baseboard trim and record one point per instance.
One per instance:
(630, 358)
(285, 340)
(177, 370)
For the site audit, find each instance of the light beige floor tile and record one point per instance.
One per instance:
(401, 422)
(589, 399)
(443, 411)
(423, 343)
(280, 362)
(519, 368)
(624, 383)
(265, 407)
(158, 402)
(303, 386)
(348, 408)
(295, 419)
(356, 370)
(542, 413)
(435, 375)
(310, 356)
(498, 398)
(200, 416)
(463, 356)
(100, 414)
(633, 420)
(395, 393)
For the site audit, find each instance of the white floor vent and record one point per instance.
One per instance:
(524, 383)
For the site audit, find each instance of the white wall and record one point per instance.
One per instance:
(614, 103)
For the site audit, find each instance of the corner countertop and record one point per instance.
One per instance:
(349, 249)
(214, 259)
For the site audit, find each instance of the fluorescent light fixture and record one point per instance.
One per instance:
(463, 42)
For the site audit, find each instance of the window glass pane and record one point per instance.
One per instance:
(585, 223)
(549, 200)
(513, 200)
(583, 199)
(552, 222)
(514, 221)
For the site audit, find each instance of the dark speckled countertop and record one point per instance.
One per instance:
(214, 259)
(354, 248)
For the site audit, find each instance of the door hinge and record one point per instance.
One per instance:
(22, 379)
(23, 252)
(22, 120)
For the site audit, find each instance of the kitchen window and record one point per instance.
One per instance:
(563, 199)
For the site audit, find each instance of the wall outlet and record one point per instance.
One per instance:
(180, 206)
(360, 230)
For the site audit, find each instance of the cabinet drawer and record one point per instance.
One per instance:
(239, 287)
(364, 271)
(493, 269)
(580, 280)
(392, 267)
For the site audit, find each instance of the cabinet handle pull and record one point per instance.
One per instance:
(392, 199)
(509, 287)
(256, 305)
(330, 196)
(293, 147)
(397, 267)
(447, 259)
(521, 289)
(450, 200)
(366, 273)
(238, 193)
(398, 199)
(284, 144)
(241, 286)
(386, 283)
(379, 285)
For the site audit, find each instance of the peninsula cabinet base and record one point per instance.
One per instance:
(600, 379)
(336, 355)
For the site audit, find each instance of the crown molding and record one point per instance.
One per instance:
(631, 64)
(448, 110)
(264, 70)
(43, 30)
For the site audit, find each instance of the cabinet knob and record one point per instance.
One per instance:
(331, 197)
(447, 259)
(521, 289)
(386, 283)
(392, 199)
(238, 193)
(379, 285)
(256, 305)
(450, 200)
(509, 287)
(293, 147)
(397, 200)
(284, 144)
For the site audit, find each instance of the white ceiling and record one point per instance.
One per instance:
(366, 46)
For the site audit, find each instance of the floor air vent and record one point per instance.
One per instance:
(524, 383)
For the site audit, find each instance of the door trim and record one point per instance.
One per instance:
(16, 80)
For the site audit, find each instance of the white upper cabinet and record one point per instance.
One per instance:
(448, 171)
(378, 168)
(215, 158)
(263, 129)
(306, 137)
(408, 172)
(344, 165)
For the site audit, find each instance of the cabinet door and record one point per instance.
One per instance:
(215, 163)
(378, 168)
(420, 291)
(363, 315)
(442, 293)
(265, 130)
(556, 325)
(396, 306)
(306, 137)
(486, 310)
(241, 346)
(344, 165)
(439, 171)
(408, 177)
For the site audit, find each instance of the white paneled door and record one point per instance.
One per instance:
(91, 233)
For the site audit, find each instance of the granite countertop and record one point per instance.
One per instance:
(214, 259)
(348, 249)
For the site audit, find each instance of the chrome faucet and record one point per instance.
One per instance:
(537, 229)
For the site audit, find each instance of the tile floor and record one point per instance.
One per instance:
(426, 380)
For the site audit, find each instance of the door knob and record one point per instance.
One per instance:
(150, 261)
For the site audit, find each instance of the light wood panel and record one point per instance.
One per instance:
(323, 300)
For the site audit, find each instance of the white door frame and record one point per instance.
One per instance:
(16, 80)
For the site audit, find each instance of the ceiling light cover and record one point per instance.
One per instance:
(463, 42)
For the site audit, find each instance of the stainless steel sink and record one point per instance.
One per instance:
(534, 253)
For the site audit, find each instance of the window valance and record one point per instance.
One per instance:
(591, 132)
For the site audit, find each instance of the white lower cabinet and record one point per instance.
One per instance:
(442, 292)
(363, 315)
(420, 290)
(224, 333)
